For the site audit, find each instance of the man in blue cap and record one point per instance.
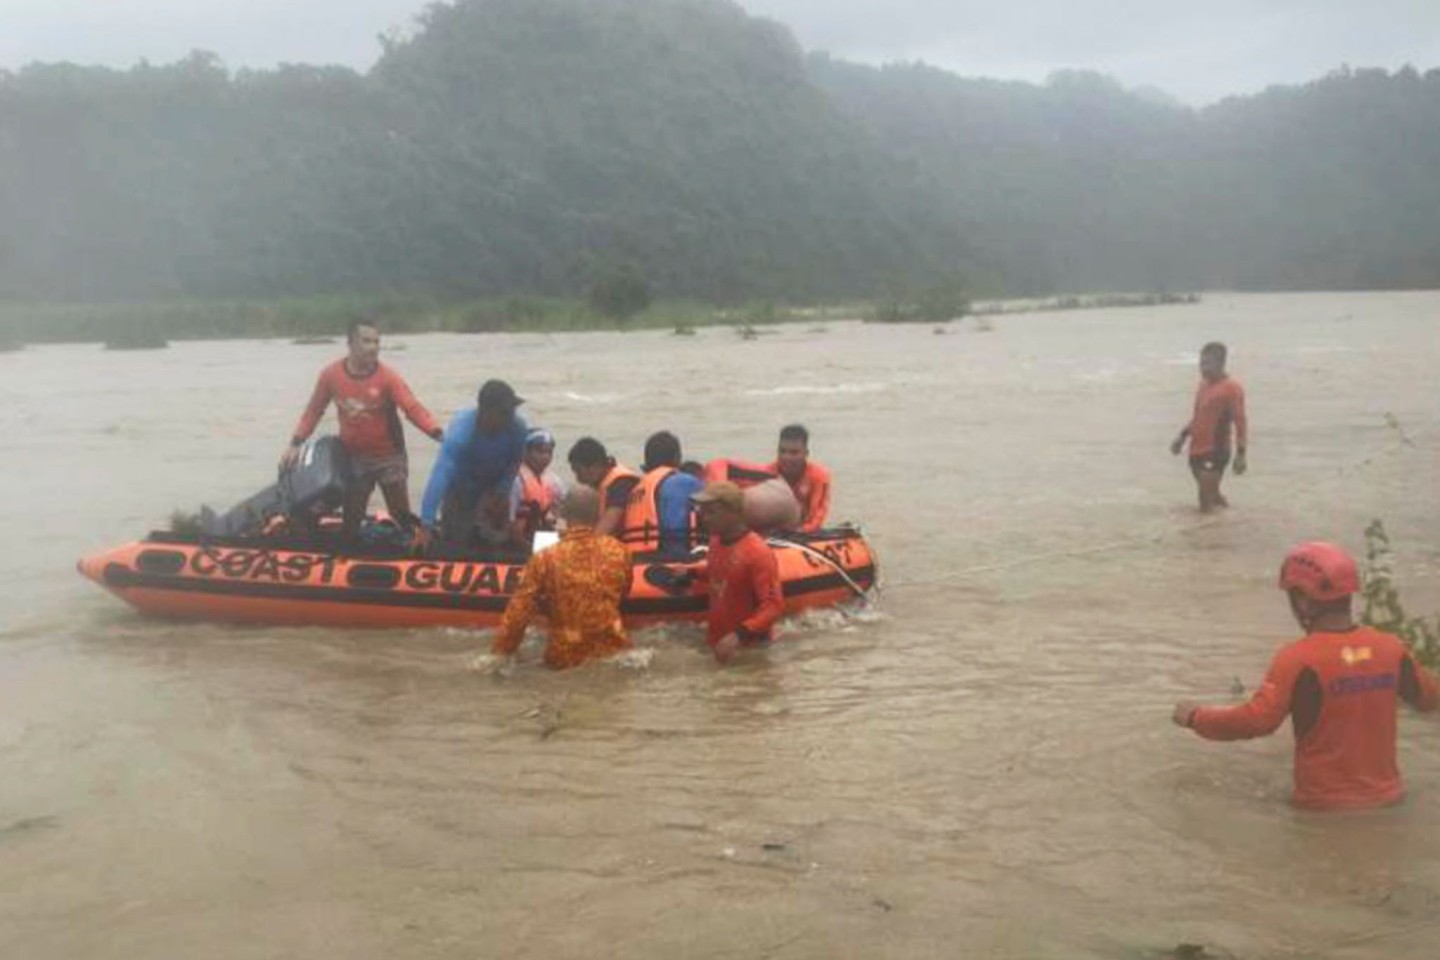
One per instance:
(470, 484)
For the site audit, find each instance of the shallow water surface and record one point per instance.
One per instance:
(982, 765)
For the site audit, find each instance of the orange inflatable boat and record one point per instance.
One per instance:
(272, 581)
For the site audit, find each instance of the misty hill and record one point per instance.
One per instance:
(516, 146)
(1079, 184)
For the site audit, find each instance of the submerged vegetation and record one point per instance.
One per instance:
(1383, 609)
(1095, 301)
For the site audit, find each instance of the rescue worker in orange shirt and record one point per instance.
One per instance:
(594, 467)
(1219, 406)
(1340, 685)
(577, 585)
(366, 394)
(809, 481)
(743, 576)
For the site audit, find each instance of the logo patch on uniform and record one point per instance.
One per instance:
(1354, 655)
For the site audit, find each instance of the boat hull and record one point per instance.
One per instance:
(252, 582)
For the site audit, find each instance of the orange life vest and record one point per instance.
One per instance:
(641, 527)
(618, 471)
(537, 499)
(743, 473)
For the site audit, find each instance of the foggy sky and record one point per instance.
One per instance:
(1197, 51)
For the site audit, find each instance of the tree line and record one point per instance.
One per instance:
(554, 147)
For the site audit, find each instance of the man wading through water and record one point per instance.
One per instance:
(1219, 405)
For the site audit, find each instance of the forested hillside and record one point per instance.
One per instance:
(527, 146)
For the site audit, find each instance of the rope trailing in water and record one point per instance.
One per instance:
(816, 554)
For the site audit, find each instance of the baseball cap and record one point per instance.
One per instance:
(539, 436)
(497, 395)
(722, 491)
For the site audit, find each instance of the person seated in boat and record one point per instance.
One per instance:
(577, 586)
(1340, 685)
(660, 514)
(594, 467)
(741, 572)
(366, 394)
(809, 481)
(471, 482)
(536, 494)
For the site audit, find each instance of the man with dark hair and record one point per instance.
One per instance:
(577, 585)
(659, 513)
(594, 467)
(366, 394)
(809, 481)
(1340, 685)
(1219, 406)
(471, 482)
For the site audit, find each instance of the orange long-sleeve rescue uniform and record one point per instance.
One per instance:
(1341, 692)
(365, 406)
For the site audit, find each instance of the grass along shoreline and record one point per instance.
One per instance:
(140, 326)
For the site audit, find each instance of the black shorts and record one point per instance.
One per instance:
(1214, 461)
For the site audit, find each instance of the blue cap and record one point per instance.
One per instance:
(538, 436)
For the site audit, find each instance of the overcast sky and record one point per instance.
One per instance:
(1197, 50)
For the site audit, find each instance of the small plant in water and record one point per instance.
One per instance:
(1383, 609)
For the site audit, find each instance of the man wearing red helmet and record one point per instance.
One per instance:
(1339, 684)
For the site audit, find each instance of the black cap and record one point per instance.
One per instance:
(497, 395)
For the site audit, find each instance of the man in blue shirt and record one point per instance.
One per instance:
(672, 499)
(470, 484)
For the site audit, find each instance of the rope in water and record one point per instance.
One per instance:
(1112, 546)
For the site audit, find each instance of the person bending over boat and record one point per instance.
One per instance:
(742, 574)
(1219, 406)
(471, 482)
(662, 509)
(809, 481)
(1339, 685)
(594, 467)
(577, 585)
(366, 394)
(536, 494)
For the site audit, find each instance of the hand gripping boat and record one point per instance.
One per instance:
(270, 580)
(238, 572)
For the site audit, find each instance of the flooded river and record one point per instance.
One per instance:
(981, 766)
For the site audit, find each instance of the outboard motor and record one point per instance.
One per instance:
(315, 487)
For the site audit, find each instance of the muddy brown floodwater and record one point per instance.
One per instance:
(982, 766)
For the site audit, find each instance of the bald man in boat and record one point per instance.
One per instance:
(577, 585)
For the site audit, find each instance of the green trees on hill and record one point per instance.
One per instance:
(509, 145)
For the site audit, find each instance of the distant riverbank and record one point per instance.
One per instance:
(139, 326)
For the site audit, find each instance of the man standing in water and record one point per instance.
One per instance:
(577, 585)
(1219, 404)
(366, 394)
(1339, 684)
(472, 479)
(744, 579)
(809, 481)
